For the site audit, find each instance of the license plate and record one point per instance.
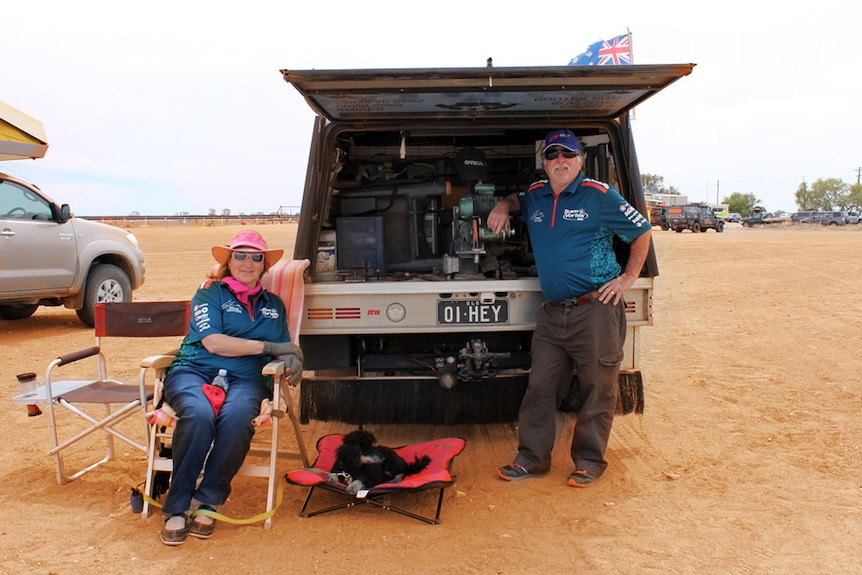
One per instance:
(466, 312)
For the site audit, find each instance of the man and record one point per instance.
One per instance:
(572, 221)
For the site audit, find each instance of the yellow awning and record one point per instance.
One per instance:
(21, 136)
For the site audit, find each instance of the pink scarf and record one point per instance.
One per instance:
(241, 291)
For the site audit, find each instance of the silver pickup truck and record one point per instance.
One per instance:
(414, 309)
(47, 257)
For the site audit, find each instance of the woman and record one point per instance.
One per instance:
(238, 326)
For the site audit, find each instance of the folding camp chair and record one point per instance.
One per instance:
(286, 280)
(437, 476)
(83, 397)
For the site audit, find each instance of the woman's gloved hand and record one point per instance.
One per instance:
(279, 349)
(292, 356)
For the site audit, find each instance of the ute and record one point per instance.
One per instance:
(415, 311)
(49, 258)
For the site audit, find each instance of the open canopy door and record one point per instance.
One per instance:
(21, 137)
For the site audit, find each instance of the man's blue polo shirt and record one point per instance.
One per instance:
(572, 235)
(215, 309)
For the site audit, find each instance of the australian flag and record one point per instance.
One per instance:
(614, 52)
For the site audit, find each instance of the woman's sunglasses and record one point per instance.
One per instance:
(554, 153)
(240, 256)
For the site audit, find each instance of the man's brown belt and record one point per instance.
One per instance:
(576, 301)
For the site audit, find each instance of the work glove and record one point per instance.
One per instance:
(293, 368)
(292, 356)
(279, 349)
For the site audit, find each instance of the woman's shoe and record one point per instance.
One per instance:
(202, 526)
(175, 530)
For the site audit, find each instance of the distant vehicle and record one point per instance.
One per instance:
(833, 218)
(802, 217)
(759, 218)
(852, 217)
(694, 218)
(733, 218)
(658, 217)
(50, 258)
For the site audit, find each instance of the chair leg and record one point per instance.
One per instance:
(297, 429)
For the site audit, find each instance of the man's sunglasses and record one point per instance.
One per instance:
(554, 153)
(240, 256)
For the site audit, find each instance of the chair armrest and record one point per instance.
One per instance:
(161, 361)
(77, 355)
(274, 368)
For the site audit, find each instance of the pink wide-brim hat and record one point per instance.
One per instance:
(247, 241)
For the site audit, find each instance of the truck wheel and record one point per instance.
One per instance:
(106, 283)
(719, 227)
(17, 311)
(695, 227)
(665, 227)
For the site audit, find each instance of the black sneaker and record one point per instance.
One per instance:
(515, 472)
(581, 478)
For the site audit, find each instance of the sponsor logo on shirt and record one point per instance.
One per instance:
(632, 214)
(537, 217)
(232, 306)
(269, 312)
(578, 215)
(201, 316)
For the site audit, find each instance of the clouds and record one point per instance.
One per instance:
(168, 107)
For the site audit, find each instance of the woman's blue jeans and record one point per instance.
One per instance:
(202, 441)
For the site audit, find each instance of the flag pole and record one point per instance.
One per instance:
(631, 47)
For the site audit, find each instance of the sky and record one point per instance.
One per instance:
(178, 106)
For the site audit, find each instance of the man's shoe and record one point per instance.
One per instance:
(515, 472)
(175, 530)
(580, 478)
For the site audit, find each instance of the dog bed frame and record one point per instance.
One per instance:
(436, 476)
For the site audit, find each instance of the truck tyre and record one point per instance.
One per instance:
(17, 311)
(665, 227)
(106, 283)
(695, 227)
(719, 227)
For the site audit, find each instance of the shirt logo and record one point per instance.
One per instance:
(633, 215)
(201, 315)
(578, 215)
(269, 312)
(537, 217)
(231, 307)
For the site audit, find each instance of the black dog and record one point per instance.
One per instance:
(363, 464)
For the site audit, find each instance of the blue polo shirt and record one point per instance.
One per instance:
(215, 309)
(572, 235)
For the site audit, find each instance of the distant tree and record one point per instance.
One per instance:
(805, 199)
(654, 184)
(742, 203)
(823, 195)
(834, 192)
(225, 212)
(854, 198)
(135, 213)
(212, 212)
